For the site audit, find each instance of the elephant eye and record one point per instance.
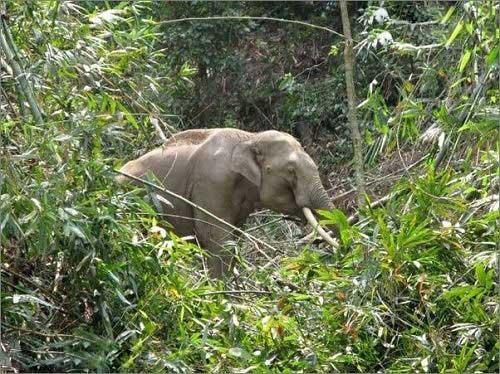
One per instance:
(291, 169)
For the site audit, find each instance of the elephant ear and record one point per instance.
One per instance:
(244, 162)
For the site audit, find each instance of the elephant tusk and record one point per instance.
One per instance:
(314, 223)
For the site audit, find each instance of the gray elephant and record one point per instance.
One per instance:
(230, 173)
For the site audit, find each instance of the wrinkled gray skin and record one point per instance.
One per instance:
(230, 173)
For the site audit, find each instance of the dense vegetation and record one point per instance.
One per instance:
(91, 278)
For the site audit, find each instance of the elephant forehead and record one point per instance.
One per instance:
(281, 146)
(301, 158)
(273, 136)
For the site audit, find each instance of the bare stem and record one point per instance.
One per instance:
(351, 100)
(23, 84)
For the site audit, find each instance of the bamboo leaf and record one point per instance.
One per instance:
(455, 33)
(464, 60)
(448, 15)
(492, 56)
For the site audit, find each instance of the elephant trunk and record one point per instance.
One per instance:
(318, 198)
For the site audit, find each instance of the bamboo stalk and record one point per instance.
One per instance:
(23, 84)
(351, 101)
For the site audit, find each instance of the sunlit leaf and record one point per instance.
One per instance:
(464, 60)
(455, 33)
(448, 14)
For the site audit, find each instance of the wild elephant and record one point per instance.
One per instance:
(230, 173)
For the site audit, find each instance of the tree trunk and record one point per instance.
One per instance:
(351, 100)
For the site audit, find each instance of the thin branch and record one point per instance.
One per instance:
(236, 292)
(413, 24)
(189, 19)
(48, 335)
(158, 129)
(411, 47)
(255, 228)
(4, 94)
(263, 115)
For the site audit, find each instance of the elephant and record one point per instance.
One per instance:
(230, 172)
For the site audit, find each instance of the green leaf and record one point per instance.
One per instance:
(492, 56)
(469, 27)
(448, 15)
(484, 279)
(334, 50)
(122, 297)
(465, 293)
(338, 218)
(464, 60)
(70, 228)
(300, 297)
(130, 118)
(455, 33)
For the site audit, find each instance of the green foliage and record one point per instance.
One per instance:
(92, 279)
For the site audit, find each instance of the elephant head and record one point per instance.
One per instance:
(285, 175)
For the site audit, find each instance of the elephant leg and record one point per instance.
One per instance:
(220, 260)
(216, 240)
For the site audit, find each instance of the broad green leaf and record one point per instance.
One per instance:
(465, 293)
(300, 297)
(122, 297)
(130, 118)
(484, 279)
